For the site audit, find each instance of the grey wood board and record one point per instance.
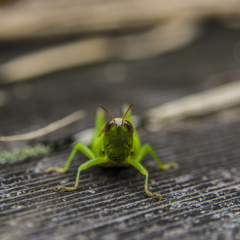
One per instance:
(200, 199)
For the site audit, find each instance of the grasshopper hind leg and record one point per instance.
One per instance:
(148, 149)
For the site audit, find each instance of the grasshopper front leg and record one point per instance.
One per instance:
(144, 171)
(78, 147)
(136, 163)
(83, 166)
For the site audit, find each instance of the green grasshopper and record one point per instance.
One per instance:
(116, 144)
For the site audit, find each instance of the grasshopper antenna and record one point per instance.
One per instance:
(127, 112)
(108, 113)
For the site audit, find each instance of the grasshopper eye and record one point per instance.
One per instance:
(129, 126)
(108, 125)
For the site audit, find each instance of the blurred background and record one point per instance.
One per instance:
(58, 57)
(178, 61)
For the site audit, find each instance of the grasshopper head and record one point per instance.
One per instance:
(118, 137)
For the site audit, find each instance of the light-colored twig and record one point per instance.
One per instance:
(48, 129)
(162, 27)
(33, 18)
(61, 57)
(211, 100)
(148, 44)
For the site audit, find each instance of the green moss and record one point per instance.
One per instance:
(23, 153)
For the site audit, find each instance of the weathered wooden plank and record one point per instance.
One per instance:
(200, 199)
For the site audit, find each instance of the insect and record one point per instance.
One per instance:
(116, 144)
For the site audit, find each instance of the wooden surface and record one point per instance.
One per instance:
(200, 199)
